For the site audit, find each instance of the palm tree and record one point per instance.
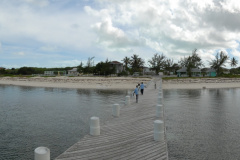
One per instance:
(233, 62)
(136, 63)
(126, 62)
(218, 62)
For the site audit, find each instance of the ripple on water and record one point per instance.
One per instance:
(203, 124)
(56, 118)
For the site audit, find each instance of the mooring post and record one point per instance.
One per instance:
(158, 130)
(127, 100)
(42, 153)
(160, 93)
(159, 111)
(94, 126)
(160, 100)
(116, 110)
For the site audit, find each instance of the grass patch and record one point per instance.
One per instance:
(20, 76)
(223, 76)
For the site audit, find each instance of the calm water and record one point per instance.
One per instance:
(56, 118)
(203, 124)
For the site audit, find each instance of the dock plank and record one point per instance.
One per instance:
(129, 136)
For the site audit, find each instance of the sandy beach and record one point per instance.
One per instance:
(119, 82)
(76, 82)
(199, 83)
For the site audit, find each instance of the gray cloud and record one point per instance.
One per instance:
(115, 28)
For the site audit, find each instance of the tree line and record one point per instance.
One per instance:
(134, 63)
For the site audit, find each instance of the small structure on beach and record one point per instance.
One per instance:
(210, 72)
(183, 72)
(48, 73)
(148, 71)
(73, 72)
(117, 65)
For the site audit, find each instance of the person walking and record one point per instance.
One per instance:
(142, 88)
(136, 92)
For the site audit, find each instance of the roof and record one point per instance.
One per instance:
(115, 62)
(195, 70)
(73, 70)
(184, 69)
(210, 70)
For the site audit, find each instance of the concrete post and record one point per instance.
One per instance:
(127, 100)
(160, 93)
(94, 126)
(116, 110)
(42, 153)
(159, 111)
(158, 130)
(160, 100)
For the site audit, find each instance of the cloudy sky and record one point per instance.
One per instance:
(60, 33)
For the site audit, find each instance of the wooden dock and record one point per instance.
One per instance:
(130, 136)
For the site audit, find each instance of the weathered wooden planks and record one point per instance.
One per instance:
(129, 136)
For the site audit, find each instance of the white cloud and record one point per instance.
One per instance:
(20, 53)
(236, 53)
(231, 6)
(119, 28)
(174, 27)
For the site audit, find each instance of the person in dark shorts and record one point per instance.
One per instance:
(142, 88)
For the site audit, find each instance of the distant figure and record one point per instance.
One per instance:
(136, 92)
(142, 88)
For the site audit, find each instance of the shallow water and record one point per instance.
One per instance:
(55, 118)
(203, 124)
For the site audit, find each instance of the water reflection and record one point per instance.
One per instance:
(203, 124)
(53, 117)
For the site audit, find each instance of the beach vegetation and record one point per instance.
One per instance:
(218, 63)
(190, 62)
(123, 73)
(136, 64)
(104, 68)
(233, 62)
(158, 62)
(126, 63)
(169, 67)
(80, 68)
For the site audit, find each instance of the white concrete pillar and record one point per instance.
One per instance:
(127, 100)
(160, 93)
(160, 100)
(159, 111)
(42, 153)
(158, 130)
(116, 110)
(94, 126)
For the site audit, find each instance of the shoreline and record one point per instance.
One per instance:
(76, 82)
(199, 83)
(118, 82)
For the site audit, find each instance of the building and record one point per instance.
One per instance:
(183, 72)
(73, 72)
(148, 71)
(48, 73)
(210, 72)
(117, 65)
